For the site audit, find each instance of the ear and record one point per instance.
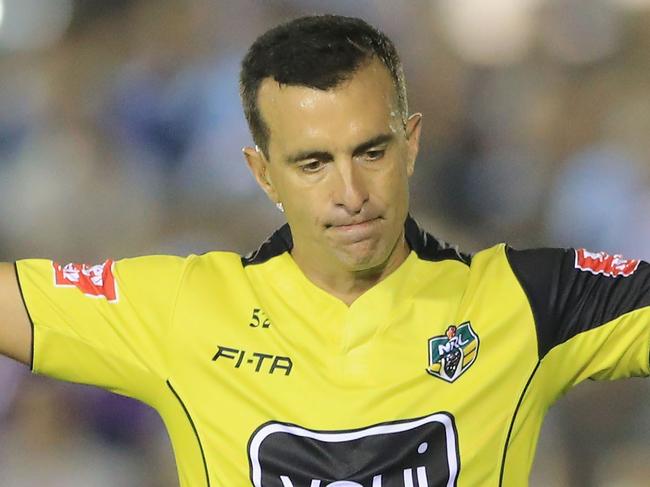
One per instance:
(413, 129)
(259, 166)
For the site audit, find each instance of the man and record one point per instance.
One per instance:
(353, 348)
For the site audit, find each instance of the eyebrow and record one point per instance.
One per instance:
(322, 155)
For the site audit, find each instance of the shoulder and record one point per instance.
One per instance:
(154, 266)
(430, 248)
(276, 244)
(220, 262)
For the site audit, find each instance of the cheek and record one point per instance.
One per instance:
(394, 183)
(289, 189)
(305, 204)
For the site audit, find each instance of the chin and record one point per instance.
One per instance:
(363, 256)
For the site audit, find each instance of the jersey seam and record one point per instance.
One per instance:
(29, 316)
(512, 422)
(536, 318)
(525, 390)
(172, 313)
(194, 429)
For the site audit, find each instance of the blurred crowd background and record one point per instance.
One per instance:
(121, 135)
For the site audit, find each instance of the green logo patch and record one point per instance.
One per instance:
(453, 353)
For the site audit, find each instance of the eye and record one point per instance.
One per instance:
(312, 167)
(375, 154)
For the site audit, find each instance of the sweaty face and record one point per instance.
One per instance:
(339, 161)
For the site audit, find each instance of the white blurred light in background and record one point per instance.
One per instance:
(494, 32)
(33, 24)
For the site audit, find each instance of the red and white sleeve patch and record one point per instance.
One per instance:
(608, 265)
(96, 281)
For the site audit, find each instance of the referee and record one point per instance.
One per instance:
(352, 348)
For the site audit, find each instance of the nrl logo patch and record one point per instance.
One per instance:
(453, 353)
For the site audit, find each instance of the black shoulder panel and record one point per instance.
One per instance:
(568, 298)
(427, 247)
(278, 243)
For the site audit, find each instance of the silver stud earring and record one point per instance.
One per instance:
(280, 207)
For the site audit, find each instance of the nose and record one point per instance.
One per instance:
(351, 189)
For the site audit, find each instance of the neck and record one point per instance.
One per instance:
(348, 284)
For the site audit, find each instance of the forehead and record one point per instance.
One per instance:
(358, 108)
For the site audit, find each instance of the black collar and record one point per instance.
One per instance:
(425, 245)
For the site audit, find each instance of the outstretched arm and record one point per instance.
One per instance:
(15, 329)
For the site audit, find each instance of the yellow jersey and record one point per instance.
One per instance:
(439, 375)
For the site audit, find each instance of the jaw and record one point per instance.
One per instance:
(360, 256)
(370, 257)
(347, 271)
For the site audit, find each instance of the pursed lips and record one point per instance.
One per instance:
(344, 224)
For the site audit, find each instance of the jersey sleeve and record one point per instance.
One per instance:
(103, 325)
(591, 311)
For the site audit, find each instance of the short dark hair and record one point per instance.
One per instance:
(319, 51)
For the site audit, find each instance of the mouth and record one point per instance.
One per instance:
(355, 231)
(349, 225)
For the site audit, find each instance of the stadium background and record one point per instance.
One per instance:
(121, 131)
